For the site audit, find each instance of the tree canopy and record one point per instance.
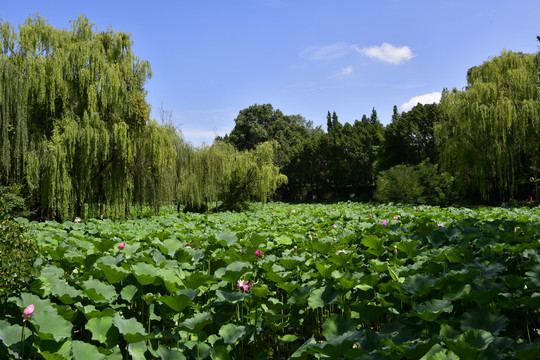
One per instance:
(490, 134)
(71, 104)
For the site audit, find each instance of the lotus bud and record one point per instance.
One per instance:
(28, 311)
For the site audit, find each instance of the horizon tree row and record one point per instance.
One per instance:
(76, 133)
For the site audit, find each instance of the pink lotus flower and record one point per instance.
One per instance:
(77, 220)
(333, 209)
(258, 253)
(342, 252)
(243, 285)
(395, 250)
(121, 246)
(385, 223)
(188, 247)
(396, 217)
(370, 215)
(27, 313)
(334, 227)
(293, 211)
(440, 224)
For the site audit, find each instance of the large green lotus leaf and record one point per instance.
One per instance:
(130, 293)
(483, 319)
(278, 278)
(103, 245)
(169, 354)
(325, 269)
(419, 283)
(291, 262)
(338, 331)
(231, 296)
(452, 233)
(341, 259)
(528, 351)
(66, 293)
(219, 353)
(322, 247)
(436, 239)
(137, 350)
(298, 296)
(53, 350)
(227, 238)
(90, 311)
(180, 300)
(145, 273)
(456, 291)
(489, 271)
(409, 247)
(470, 344)
(51, 326)
(287, 286)
(171, 279)
(432, 309)
(112, 272)
(231, 333)
(372, 242)
(99, 292)
(50, 275)
(284, 240)
(534, 274)
(195, 324)
(102, 329)
(257, 239)
(169, 246)
(261, 291)
(437, 352)
(74, 256)
(322, 296)
(11, 334)
(196, 279)
(132, 330)
(303, 349)
(233, 271)
(85, 351)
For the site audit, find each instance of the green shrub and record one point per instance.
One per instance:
(11, 204)
(18, 255)
(399, 184)
(419, 184)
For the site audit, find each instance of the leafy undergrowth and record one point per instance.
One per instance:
(351, 281)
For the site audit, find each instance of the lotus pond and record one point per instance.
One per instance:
(340, 281)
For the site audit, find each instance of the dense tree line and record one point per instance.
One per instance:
(76, 133)
(481, 143)
(76, 136)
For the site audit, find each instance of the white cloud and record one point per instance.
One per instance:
(343, 73)
(387, 53)
(327, 52)
(430, 98)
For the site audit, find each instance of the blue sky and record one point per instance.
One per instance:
(211, 59)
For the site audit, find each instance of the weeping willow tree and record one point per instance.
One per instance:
(220, 176)
(490, 135)
(155, 165)
(202, 174)
(72, 104)
(253, 175)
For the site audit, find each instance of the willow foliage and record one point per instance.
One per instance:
(155, 166)
(72, 104)
(222, 176)
(491, 133)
